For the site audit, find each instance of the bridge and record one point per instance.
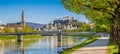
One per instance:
(45, 33)
(55, 33)
(19, 34)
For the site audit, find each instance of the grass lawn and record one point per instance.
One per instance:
(113, 48)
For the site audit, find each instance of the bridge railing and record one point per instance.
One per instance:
(47, 33)
(76, 33)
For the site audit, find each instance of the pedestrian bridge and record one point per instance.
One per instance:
(54, 33)
(45, 33)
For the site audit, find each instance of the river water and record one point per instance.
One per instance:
(44, 45)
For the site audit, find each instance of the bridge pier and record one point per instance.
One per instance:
(59, 36)
(19, 38)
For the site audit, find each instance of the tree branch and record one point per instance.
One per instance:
(117, 2)
(111, 4)
(101, 9)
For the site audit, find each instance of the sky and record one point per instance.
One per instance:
(36, 11)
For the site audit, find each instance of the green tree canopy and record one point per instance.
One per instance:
(100, 11)
(28, 29)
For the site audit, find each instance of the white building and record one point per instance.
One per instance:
(66, 22)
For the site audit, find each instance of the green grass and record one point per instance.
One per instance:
(9, 37)
(32, 36)
(69, 50)
(27, 39)
(113, 49)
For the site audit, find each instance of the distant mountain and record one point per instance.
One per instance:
(35, 25)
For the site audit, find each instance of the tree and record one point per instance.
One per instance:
(102, 12)
(7, 30)
(101, 28)
(84, 27)
(28, 29)
(94, 10)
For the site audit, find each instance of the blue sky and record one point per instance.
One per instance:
(37, 11)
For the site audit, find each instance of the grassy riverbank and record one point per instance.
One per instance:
(9, 37)
(69, 50)
(113, 49)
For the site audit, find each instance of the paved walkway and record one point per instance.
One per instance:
(97, 47)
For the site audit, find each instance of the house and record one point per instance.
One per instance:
(1, 27)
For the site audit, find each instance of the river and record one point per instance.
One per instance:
(44, 45)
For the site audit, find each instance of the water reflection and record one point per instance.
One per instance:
(1, 47)
(20, 47)
(45, 45)
(59, 45)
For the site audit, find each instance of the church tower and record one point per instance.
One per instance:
(22, 20)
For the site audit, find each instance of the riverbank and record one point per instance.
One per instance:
(70, 50)
(14, 37)
(113, 49)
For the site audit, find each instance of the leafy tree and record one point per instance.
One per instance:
(102, 12)
(94, 10)
(101, 28)
(78, 24)
(7, 30)
(28, 29)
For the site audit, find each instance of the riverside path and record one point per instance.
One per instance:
(97, 47)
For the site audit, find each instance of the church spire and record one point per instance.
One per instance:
(22, 13)
(22, 20)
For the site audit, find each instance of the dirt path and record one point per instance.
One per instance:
(97, 47)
